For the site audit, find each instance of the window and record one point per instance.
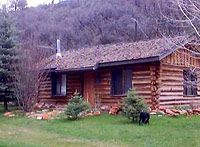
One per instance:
(59, 84)
(189, 83)
(121, 81)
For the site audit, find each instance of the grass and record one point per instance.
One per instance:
(102, 131)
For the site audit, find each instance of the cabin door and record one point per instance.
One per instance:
(89, 88)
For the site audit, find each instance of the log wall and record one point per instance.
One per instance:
(171, 79)
(144, 81)
(74, 83)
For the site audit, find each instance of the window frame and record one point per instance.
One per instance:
(123, 83)
(188, 78)
(55, 77)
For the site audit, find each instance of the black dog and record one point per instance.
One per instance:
(144, 118)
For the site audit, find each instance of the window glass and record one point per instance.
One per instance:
(59, 84)
(189, 83)
(121, 81)
(127, 80)
(117, 82)
(63, 85)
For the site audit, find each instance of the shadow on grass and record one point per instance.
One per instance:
(10, 108)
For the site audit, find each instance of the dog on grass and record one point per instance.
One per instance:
(144, 118)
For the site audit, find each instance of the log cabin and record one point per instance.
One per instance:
(162, 71)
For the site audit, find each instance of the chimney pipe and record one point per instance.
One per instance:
(58, 51)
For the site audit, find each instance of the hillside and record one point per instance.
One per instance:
(80, 23)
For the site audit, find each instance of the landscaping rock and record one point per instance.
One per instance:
(176, 111)
(161, 112)
(196, 111)
(55, 112)
(89, 114)
(170, 113)
(114, 110)
(105, 108)
(153, 112)
(7, 114)
(190, 111)
(39, 118)
(45, 111)
(12, 115)
(46, 117)
(183, 112)
(19, 111)
(96, 113)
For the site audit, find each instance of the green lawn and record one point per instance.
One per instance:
(103, 131)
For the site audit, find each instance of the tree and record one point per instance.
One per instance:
(75, 106)
(7, 58)
(133, 105)
(28, 75)
(18, 4)
(94, 22)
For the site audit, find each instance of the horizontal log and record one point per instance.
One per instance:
(165, 98)
(171, 78)
(141, 81)
(171, 94)
(176, 102)
(171, 66)
(73, 76)
(172, 83)
(44, 93)
(141, 72)
(54, 100)
(74, 85)
(142, 88)
(171, 89)
(147, 92)
(111, 100)
(73, 80)
(43, 97)
(174, 74)
(172, 106)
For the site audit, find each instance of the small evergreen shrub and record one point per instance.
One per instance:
(133, 105)
(75, 106)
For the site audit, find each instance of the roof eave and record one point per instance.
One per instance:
(111, 64)
(128, 62)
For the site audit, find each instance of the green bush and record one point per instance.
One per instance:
(75, 106)
(133, 105)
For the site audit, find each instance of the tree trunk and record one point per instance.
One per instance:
(5, 105)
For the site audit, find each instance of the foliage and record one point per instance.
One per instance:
(17, 4)
(75, 106)
(133, 105)
(8, 57)
(80, 23)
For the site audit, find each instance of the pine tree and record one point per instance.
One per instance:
(133, 105)
(7, 58)
(75, 106)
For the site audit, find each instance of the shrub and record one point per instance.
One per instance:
(75, 106)
(133, 105)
